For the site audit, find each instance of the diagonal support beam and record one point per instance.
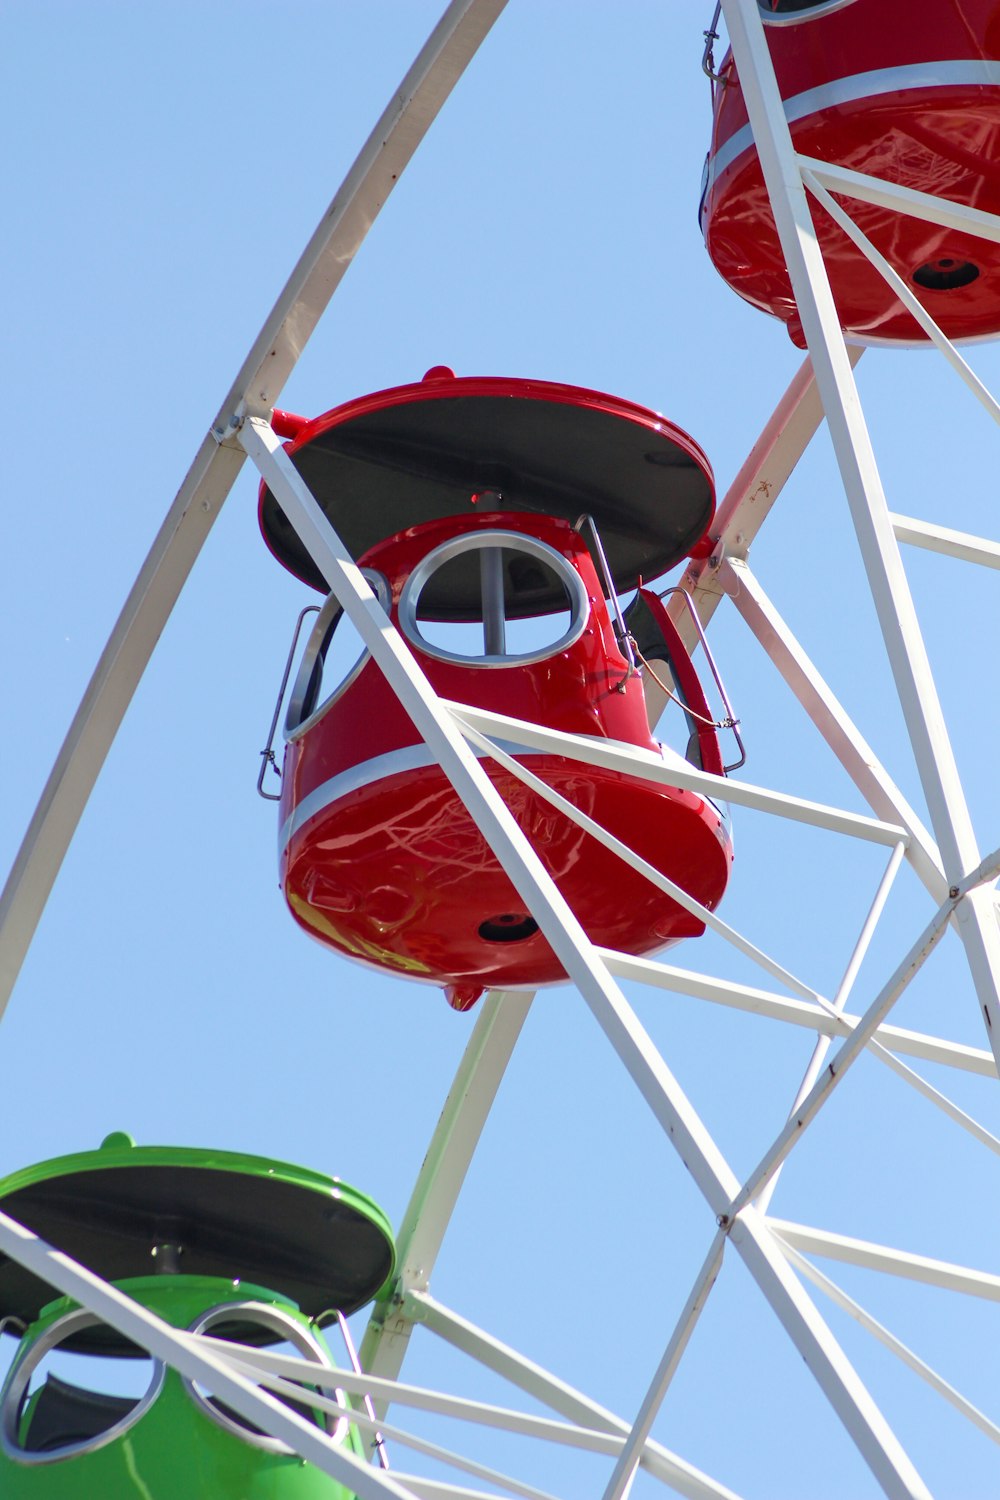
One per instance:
(443, 1172)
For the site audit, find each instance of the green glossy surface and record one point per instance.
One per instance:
(174, 1451)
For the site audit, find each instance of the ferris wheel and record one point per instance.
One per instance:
(535, 768)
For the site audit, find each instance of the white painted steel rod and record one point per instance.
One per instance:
(888, 1260)
(879, 549)
(443, 1171)
(547, 1388)
(752, 495)
(940, 1101)
(958, 1055)
(400, 129)
(896, 1346)
(182, 1352)
(902, 200)
(625, 1470)
(670, 769)
(839, 1002)
(506, 1419)
(912, 304)
(831, 719)
(642, 866)
(848, 1053)
(944, 539)
(290, 1390)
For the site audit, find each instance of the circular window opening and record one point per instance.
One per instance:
(493, 599)
(252, 1325)
(946, 274)
(773, 9)
(60, 1401)
(333, 657)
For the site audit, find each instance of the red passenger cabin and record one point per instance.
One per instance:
(490, 517)
(903, 91)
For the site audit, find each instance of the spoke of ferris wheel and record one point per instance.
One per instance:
(547, 1388)
(290, 1390)
(944, 539)
(915, 308)
(183, 1353)
(796, 1311)
(896, 1039)
(750, 498)
(627, 1465)
(902, 200)
(895, 1346)
(669, 769)
(642, 866)
(839, 1002)
(316, 276)
(922, 712)
(834, 723)
(887, 1260)
(442, 1174)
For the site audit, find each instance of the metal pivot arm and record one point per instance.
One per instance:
(314, 280)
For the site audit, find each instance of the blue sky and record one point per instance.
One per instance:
(168, 164)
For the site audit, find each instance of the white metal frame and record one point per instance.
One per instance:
(947, 860)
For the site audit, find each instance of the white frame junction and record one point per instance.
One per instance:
(949, 864)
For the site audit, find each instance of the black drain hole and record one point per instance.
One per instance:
(946, 274)
(510, 927)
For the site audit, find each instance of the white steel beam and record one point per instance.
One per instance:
(961, 544)
(557, 1395)
(873, 1257)
(750, 498)
(879, 549)
(183, 1352)
(670, 769)
(644, 867)
(262, 1363)
(847, 1054)
(839, 1002)
(321, 267)
(620, 1483)
(896, 1346)
(835, 725)
(902, 200)
(442, 1174)
(978, 1060)
(292, 1391)
(912, 304)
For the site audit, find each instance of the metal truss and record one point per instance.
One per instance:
(850, 1023)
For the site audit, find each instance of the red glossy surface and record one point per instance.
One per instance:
(396, 874)
(925, 133)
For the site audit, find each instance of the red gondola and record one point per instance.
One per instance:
(909, 93)
(463, 500)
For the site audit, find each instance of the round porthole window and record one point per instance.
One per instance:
(255, 1324)
(515, 579)
(798, 10)
(333, 657)
(60, 1402)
